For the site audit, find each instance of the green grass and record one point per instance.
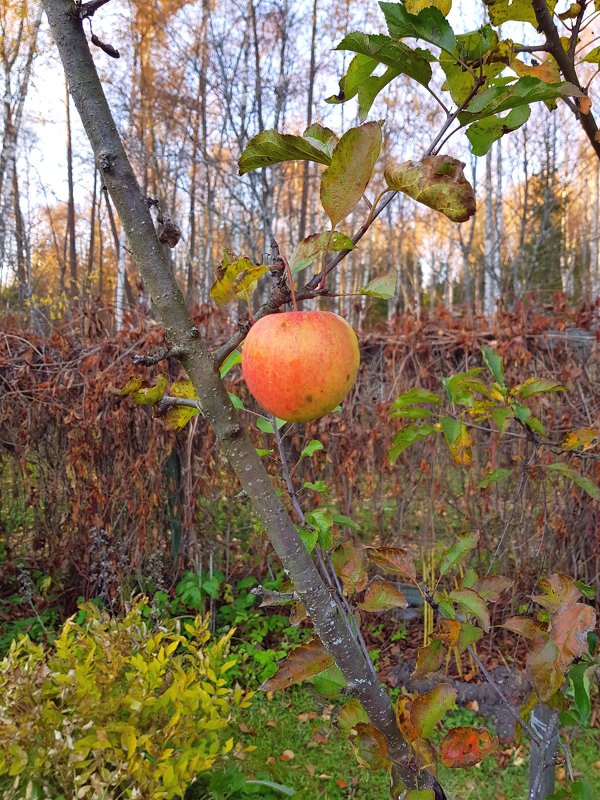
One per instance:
(299, 721)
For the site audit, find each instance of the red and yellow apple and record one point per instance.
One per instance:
(300, 365)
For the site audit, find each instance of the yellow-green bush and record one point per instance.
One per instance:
(116, 708)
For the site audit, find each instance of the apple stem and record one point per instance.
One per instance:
(290, 278)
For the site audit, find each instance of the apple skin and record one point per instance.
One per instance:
(300, 365)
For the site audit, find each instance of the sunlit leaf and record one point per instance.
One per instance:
(393, 560)
(429, 658)
(569, 630)
(579, 480)
(547, 70)
(463, 543)
(309, 249)
(414, 7)
(311, 448)
(271, 147)
(428, 709)
(514, 11)
(130, 387)
(343, 183)
(466, 746)
(235, 274)
(382, 596)
(491, 587)
(348, 563)
(370, 746)
(302, 663)
(322, 138)
(471, 603)
(383, 287)
(436, 181)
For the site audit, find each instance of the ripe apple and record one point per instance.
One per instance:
(300, 365)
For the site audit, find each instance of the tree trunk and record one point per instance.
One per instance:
(330, 624)
(72, 253)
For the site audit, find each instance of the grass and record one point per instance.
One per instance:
(296, 743)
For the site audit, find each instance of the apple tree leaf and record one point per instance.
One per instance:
(579, 480)
(350, 715)
(523, 626)
(407, 436)
(343, 183)
(370, 746)
(271, 147)
(483, 133)
(303, 662)
(429, 658)
(348, 563)
(429, 25)
(382, 596)
(463, 543)
(309, 249)
(544, 669)
(471, 603)
(393, 560)
(436, 181)
(466, 746)
(383, 287)
(491, 587)
(569, 630)
(502, 11)
(428, 709)
(559, 589)
(322, 138)
(235, 274)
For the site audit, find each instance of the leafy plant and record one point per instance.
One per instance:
(115, 707)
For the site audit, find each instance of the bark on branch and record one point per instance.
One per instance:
(330, 623)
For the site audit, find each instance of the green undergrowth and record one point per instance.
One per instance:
(296, 744)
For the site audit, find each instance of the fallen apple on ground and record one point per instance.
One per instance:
(300, 365)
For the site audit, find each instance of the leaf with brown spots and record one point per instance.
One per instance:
(569, 630)
(466, 746)
(382, 596)
(559, 590)
(370, 746)
(302, 663)
(394, 560)
(348, 563)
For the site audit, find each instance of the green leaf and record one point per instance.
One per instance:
(322, 521)
(494, 476)
(539, 386)
(483, 133)
(415, 395)
(579, 676)
(343, 183)
(514, 11)
(323, 138)
(346, 522)
(469, 634)
(236, 402)
(150, 395)
(309, 537)
(494, 363)
(235, 274)
(383, 287)
(463, 543)
(407, 436)
(428, 709)
(266, 426)
(261, 452)
(232, 360)
(503, 96)
(271, 147)
(411, 413)
(436, 181)
(309, 249)
(330, 682)
(501, 416)
(430, 25)
(579, 480)
(429, 659)
(471, 603)
(458, 439)
(420, 794)
(311, 448)
(316, 486)
(372, 50)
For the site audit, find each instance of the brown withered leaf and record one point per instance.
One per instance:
(523, 626)
(491, 587)
(543, 668)
(448, 631)
(394, 560)
(305, 661)
(436, 181)
(559, 589)
(569, 630)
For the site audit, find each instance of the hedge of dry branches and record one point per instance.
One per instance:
(94, 488)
